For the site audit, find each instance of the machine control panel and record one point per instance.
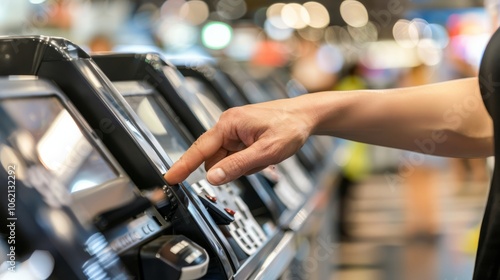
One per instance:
(73, 173)
(129, 234)
(224, 203)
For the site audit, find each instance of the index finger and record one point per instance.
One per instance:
(202, 149)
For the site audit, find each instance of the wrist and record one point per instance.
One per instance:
(324, 110)
(304, 109)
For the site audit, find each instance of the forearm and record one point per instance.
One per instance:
(447, 119)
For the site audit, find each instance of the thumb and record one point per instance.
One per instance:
(239, 164)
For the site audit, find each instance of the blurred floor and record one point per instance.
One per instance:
(380, 249)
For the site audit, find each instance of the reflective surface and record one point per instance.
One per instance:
(147, 107)
(186, 89)
(157, 122)
(43, 131)
(55, 170)
(207, 97)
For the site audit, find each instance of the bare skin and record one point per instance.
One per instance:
(445, 119)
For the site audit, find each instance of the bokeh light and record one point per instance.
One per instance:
(329, 58)
(319, 16)
(274, 10)
(311, 34)
(417, 30)
(354, 13)
(231, 9)
(195, 12)
(37, 1)
(244, 43)
(295, 16)
(277, 33)
(216, 35)
(171, 7)
(336, 35)
(389, 54)
(177, 34)
(364, 34)
(439, 34)
(400, 32)
(429, 52)
(273, 14)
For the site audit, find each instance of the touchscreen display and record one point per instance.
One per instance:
(186, 92)
(149, 110)
(44, 133)
(207, 97)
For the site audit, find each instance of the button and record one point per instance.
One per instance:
(189, 259)
(178, 247)
(136, 236)
(230, 211)
(211, 198)
(151, 227)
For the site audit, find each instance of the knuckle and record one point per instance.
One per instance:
(230, 121)
(238, 165)
(197, 146)
(200, 143)
(199, 140)
(268, 151)
(231, 113)
(184, 166)
(274, 152)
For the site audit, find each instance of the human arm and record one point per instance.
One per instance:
(450, 114)
(447, 119)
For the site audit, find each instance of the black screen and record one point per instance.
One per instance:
(41, 131)
(149, 110)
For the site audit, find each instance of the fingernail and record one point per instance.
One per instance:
(216, 176)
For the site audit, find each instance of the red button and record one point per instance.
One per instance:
(230, 211)
(211, 198)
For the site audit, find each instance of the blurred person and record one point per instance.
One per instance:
(355, 162)
(467, 173)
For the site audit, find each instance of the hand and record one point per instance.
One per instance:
(246, 140)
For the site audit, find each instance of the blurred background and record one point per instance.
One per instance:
(401, 215)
